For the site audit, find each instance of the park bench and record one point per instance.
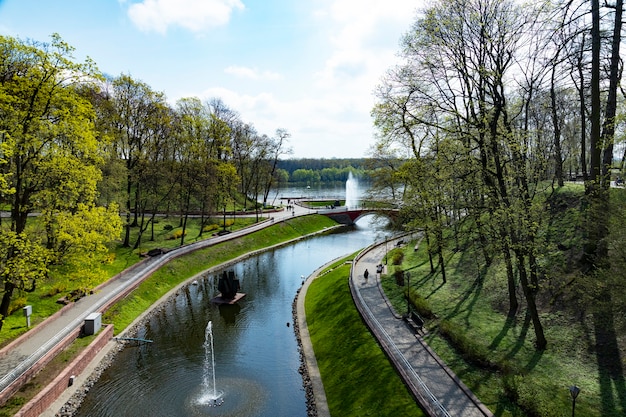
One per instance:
(415, 322)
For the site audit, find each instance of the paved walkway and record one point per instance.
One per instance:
(437, 388)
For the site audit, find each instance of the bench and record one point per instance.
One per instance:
(415, 322)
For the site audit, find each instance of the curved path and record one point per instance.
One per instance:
(439, 391)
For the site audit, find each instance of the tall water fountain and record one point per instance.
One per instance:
(352, 192)
(212, 396)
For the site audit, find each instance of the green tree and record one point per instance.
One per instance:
(50, 164)
(451, 105)
(130, 118)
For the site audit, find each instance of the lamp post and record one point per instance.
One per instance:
(574, 391)
(386, 249)
(408, 294)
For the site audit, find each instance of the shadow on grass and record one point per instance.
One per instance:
(469, 297)
(508, 324)
(610, 370)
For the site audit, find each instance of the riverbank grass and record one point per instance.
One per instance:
(358, 378)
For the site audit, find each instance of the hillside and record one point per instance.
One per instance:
(494, 353)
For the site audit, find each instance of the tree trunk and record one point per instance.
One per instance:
(558, 154)
(6, 301)
(541, 342)
(510, 280)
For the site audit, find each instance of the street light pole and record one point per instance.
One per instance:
(574, 391)
(385, 249)
(408, 294)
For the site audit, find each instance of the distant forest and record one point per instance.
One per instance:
(312, 171)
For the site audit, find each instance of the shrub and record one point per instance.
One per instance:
(396, 257)
(421, 305)
(109, 259)
(210, 227)
(471, 350)
(533, 400)
(17, 304)
(57, 289)
(399, 276)
(177, 234)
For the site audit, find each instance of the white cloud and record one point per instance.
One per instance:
(319, 126)
(194, 15)
(251, 73)
(364, 37)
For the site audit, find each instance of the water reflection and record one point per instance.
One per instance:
(256, 352)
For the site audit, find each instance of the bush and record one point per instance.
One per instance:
(399, 276)
(397, 256)
(533, 400)
(57, 289)
(177, 235)
(471, 350)
(168, 227)
(17, 304)
(421, 305)
(210, 227)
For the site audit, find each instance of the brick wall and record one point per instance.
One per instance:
(49, 395)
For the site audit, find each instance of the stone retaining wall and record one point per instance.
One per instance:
(48, 395)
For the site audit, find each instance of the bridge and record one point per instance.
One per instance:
(349, 216)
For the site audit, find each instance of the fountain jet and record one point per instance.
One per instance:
(352, 192)
(212, 397)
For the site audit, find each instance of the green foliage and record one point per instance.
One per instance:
(177, 234)
(397, 255)
(17, 304)
(493, 353)
(305, 176)
(47, 130)
(421, 305)
(472, 350)
(210, 227)
(531, 397)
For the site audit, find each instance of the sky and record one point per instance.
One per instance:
(307, 66)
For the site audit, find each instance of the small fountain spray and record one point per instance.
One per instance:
(212, 397)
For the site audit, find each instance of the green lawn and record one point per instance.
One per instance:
(358, 378)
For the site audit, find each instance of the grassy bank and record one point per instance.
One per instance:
(167, 233)
(357, 376)
(494, 354)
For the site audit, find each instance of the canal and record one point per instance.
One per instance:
(255, 349)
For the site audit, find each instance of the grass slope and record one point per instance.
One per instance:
(357, 376)
(495, 354)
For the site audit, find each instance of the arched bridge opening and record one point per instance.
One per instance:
(350, 216)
